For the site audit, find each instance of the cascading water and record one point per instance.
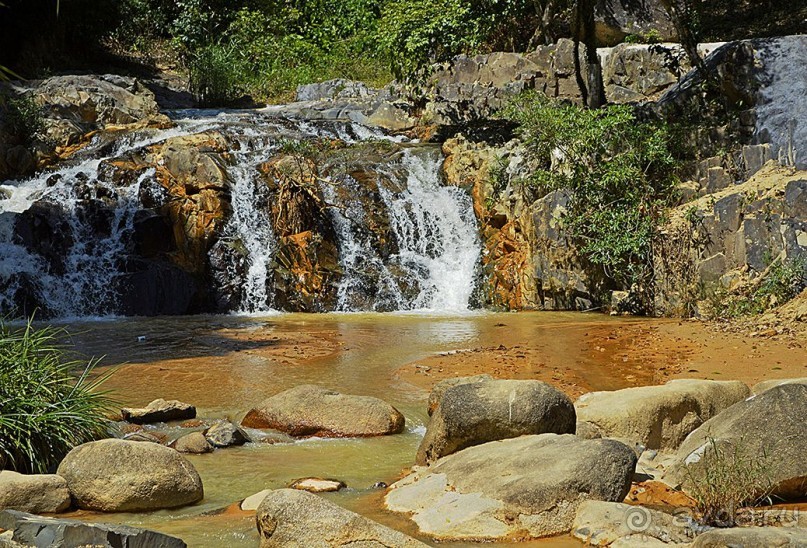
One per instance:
(425, 259)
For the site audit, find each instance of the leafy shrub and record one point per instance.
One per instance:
(45, 409)
(216, 75)
(619, 170)
(22, 118)
(729, 480)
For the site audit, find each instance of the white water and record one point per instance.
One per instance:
(437, 235)
(434, 227)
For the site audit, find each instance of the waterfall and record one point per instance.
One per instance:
(425, 258)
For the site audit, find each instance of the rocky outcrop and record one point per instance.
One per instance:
(123, 476)
(40, 493)
(474, 413)
(309, 410)
(729, 237)
(600, 523)
(159, 410)
(658, 417)
(30, 530)
(529, 486)
(766, 429)
(289, 517)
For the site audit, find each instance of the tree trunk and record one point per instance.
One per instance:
(593, 94)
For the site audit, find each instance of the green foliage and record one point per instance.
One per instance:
(619, 170)
(783, 281)
(22, 118)
(45, 408)
(651, 36)
(216, 75)
(729, 479)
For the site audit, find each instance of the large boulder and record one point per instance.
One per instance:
(658, 417)
(600, 523)
(124, 476)
(159, 410)
(766, 429)
(440, 388)
(31, 530)
(309, 410)
(195, 443)
(226, 434)
(288, 517)
(41, 493)
(478, 412)
(740, 537)
(773, 383)
(529, 486)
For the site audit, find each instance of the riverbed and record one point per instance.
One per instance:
(225, 365)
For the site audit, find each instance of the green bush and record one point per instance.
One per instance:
(619, 170)
(22, 118)
(216, 75)
(48, 402)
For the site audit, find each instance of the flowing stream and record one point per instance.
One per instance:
(67, 236)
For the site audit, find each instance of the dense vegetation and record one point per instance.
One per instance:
(48, 402)
(620, 171)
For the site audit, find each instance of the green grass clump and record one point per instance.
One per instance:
(48, 402)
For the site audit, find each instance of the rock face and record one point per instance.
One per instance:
(474, 413)
(31, 530)
(724, 238)
(41, 493)
(767, 385)
(440, 388)
(658, 417)
(780, 537)
(159, 411)
(529, 486)
(767, 428)
(287, 517)
(194, 443)
(225, 434)
(122, 476)
(600, 523)
(310, 410)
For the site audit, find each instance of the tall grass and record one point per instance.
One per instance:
(48, 402)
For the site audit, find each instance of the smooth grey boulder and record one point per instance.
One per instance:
(751, 537)
(528, 486)
(773, 383)
(768, 428)
(477, 412)
(125, 476)
(309, 410)
(31, 530)
(194, 443)
(159, 410)
(440, 388)
(292, 518)
(40, 493)
(658, 417)
(599, 523)
(226, 434)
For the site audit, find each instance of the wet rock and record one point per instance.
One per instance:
(339, 88)
(767, 429)
(226, 434)
(310, 410)
(781, 537)
(658, 417)
(474, 413)
(289, 517)
(148, 437)
(529, 486)
(159, 410)
(440, 388)
(317, 485)
(123, 476)
(194, 443)
(600, 523)
(31, 530)
(45, 493)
